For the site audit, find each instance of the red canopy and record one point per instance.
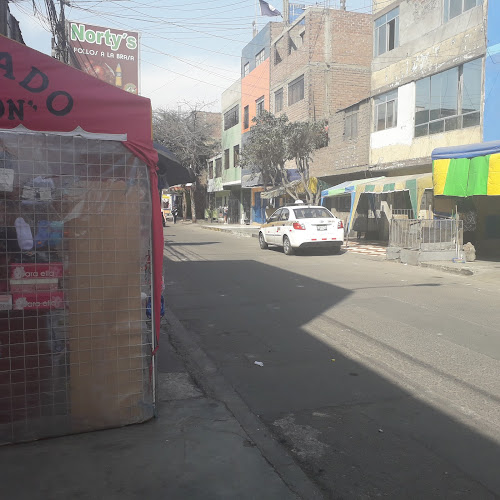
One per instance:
(45, 95)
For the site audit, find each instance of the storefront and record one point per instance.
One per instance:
(467, 180)
(81, 251)
(371, 203)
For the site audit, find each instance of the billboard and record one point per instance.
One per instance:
(111, 55)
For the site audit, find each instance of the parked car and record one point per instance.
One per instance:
(302, 226)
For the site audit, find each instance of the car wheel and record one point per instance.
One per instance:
(287, 247)
(335, 250)
(262, 242)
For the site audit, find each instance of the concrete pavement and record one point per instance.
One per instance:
(382, 379)
(195, 449)
(487, 269)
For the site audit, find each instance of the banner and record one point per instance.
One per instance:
(108, 54)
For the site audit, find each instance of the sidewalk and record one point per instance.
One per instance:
(195, 449)
(485, 269)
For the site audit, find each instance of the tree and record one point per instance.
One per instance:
(273, 141)
(190, 136)
(303, 138)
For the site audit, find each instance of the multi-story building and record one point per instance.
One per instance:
(230, 148)
(320, 70)
(426, 82)
(9, 25)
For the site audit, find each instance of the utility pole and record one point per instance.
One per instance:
(63, 42)
(286, 16)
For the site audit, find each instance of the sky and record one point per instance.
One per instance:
(190, 49)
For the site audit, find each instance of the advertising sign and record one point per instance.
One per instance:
(108, 54)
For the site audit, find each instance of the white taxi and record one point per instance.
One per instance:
(302, 226)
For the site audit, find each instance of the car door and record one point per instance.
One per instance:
(281, 225)
(270, 230)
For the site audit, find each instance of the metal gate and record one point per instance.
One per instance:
(426, 234)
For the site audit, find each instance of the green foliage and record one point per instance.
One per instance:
(273, 141)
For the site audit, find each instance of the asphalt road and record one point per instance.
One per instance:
(383, 379)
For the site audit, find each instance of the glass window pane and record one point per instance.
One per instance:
(396, 37)
(446, 10)
(451, 123)
(471, 120)
(422, 101)
(455, 8)
(391, 26)
(382, 39)
(436, 127)
(354, 126)
(468, 4)
(394, 13)
(381, 20)
(471, 93)
(444, 94)
(390, 114)
(380, 116)
(422, 130)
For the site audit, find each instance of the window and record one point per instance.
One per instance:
(246, 69)
(236, 155)
(453, 8)
(210, 169)
(218, 167)
(226, 159)
(276, 215)
(278, 100)
(231, 117)
(302, 36)
(285, 214)
(387, 32)
(259, 58)
(296, 90)
(259, 104)
(351, 122)
(449, 100)
(277, 57)
(246, 117)
(386, 110)
(291, 45)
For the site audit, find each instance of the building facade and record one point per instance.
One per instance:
(426, 82)
(320, 70)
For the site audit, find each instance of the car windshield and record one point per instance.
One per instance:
(312, 213)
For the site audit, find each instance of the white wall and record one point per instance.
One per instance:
(403, 132)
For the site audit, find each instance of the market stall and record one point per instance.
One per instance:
(81, 250)
(466, 179)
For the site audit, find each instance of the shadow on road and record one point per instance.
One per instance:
(355, 432)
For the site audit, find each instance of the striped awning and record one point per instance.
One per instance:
(467, 176)
(346, 187)
(468, 170)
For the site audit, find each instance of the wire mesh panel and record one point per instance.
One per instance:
(75, 278)
(426, 234)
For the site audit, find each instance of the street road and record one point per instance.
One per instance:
(382, 379)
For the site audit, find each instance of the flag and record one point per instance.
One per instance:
(266, 9)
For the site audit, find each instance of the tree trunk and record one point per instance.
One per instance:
(184, 205)
(192, 191)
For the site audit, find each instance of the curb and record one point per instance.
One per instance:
(206, 374)
(462, 271)
(246, 234)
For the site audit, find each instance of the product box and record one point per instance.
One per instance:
(34, 271)
(23, 301)
(5, 302)
(33, 285)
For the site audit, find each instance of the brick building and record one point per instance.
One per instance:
(320, 70)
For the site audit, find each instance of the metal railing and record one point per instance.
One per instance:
(426, 234)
